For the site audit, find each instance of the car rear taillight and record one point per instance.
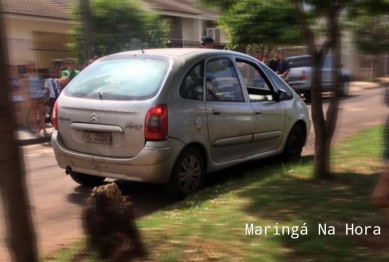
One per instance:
(54, 115)
(304, 75)
(156, 123)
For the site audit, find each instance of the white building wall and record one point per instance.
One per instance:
(191, 29)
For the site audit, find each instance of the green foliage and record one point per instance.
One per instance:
(369, 21)
(371, 34)
(120, 25)
(210, 224)
(257, 22)
(261, 22)
(222, 5)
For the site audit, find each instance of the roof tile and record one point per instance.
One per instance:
(61, 8)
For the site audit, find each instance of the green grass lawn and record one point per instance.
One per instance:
(211, 225)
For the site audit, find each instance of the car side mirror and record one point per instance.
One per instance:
(281, 94)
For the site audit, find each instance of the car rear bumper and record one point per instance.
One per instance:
(153, 164)
(299, 85)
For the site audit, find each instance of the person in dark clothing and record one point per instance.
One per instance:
(207, 42)
(283, 67)
(273, 64)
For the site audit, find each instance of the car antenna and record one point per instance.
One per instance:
(101, 96)
(143, 51)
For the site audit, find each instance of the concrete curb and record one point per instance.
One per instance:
(374, 85)
(33, 141)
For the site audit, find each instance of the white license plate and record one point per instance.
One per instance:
(97, 137)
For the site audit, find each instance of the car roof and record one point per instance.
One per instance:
(304, 56)
(300, 56)
(177, 52)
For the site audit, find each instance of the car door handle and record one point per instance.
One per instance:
(216, 111)
(258, 111)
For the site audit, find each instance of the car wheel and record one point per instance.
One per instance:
(294, 144)
(188, 174)
(345, 87)
(87, 180)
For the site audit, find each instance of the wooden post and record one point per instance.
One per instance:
(20, 235)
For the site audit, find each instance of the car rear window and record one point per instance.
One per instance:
(120, 79)
(300, 62)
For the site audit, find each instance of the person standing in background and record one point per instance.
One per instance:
(34, 84)
(70, 72)
(17, 94)
(273, 64)
(53, 88)
(258, 56)
(207, 42)
(266, 60)
(283, 68)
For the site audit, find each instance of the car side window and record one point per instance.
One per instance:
(192, 86)
(257, 88)
(222, 82)
(278, 83)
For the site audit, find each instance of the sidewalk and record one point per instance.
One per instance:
(384, 81)
(25, 137)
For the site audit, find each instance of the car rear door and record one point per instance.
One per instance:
(229, 115)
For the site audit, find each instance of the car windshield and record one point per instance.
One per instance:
(120, 79)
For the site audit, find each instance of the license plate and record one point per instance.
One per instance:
(97, 137)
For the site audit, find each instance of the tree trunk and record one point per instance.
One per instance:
(322, 148)
(333, 106)
(20, 236)
(324, 128)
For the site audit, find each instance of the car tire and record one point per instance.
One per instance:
(294, 144)
(345, 87)
(86, 180)
(187, 175)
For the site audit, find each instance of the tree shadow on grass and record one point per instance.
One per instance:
(290, 201)
(148, 198)
(145, 198)
(257, 170)
(234, 178)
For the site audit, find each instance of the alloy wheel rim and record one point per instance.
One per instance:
(190, 173)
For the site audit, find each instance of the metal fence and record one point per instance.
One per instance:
(49, 54)
(179, 43)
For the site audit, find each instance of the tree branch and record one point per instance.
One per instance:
(326, 47)
(306, 30)
(335, 37)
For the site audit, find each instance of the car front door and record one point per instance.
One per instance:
(229, 115)
(269, 114)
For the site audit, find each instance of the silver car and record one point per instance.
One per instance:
(170, 116)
